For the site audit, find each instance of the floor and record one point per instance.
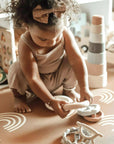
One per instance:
(43, 126)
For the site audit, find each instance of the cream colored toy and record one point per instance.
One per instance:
(76, 105)
(71, 105)
(91, 113)
(83, 134)
(62, 97)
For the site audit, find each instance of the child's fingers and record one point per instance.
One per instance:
(82, 99)
(91, 100)
(62, 113)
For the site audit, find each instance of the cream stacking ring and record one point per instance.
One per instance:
(96, 58)
(97, 81)
(75, 105)
(97, 38)
(97, 28)
(96, 69)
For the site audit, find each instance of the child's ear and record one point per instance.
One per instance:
(25, 25)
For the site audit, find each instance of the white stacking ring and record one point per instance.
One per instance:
(96, 58)
(97, 38)
(90, 110)
(97, 28)
(96, 69)
(97, 81)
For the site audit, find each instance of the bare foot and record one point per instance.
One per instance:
(21, 107)
(72, 94)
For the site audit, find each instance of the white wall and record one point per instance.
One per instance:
(3, 3)
(103, 7)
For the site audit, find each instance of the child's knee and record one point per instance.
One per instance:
(16, 78)
(18, 95)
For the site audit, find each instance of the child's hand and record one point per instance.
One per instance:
(57, 105)
(85, 94)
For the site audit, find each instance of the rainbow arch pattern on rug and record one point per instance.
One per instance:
(14, 120)
(107, 95)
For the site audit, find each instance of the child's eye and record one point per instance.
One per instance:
(43, 39)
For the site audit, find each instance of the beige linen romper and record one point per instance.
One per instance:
(54, 69)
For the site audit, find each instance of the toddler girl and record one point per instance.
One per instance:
(48, 54)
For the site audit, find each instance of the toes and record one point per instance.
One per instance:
(15, 109)
(25, 109)
(22, 109)
(28, 110)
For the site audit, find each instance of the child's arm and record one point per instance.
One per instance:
(30, 70)
(78, 64)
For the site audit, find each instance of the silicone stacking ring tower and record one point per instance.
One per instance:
(96, 58)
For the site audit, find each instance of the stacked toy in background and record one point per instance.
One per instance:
(96, 58)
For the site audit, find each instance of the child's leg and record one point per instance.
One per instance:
(18, 84)
(65, 77)
(69, 82)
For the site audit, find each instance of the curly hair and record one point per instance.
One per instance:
(21, 10)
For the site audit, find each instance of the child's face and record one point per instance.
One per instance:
(47, 35)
